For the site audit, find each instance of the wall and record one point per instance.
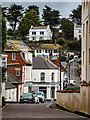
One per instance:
(11, 95)
(75, 101)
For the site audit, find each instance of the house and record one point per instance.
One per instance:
(47, 51)
(40, 33)
(3, 78)
(77, 32)
(45, 77)
(19, 63)
(13, 88)
(86, 41)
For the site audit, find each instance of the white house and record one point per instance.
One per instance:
(86, 40)
(3, 63)
(77, 32)
(47, 50)
(45, 76)
(40, 33)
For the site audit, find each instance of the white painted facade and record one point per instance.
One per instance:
(48, 83)
(77, 32)
(40, 33)
(10, 95)
(86, 41)
(46, 53)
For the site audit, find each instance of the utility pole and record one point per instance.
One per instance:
(60, 65)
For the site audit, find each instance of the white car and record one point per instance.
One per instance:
(40, 96)
(72, 82)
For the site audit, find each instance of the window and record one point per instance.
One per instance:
(55, 51)
(52, 76)
(42, 33)
(33, 33)
(45, 51)
(34, 38)
(17, 72)
(83, 30)
(13, 56)
(39, 51)
(42, 77)
(41, 38)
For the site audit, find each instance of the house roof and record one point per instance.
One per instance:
(17, 45)
(9, 86)
(48, 46)
(57, 63)
(39, 27)
(41, 63)
(12, 79)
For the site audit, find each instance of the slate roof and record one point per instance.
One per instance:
(17, 45)
(41, 63)
(39, 27)
(48, 46)
(12, 79)
(9, 86)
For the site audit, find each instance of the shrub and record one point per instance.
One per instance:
(72, 88)
(3, 101)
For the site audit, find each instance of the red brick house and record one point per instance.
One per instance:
(19, 63)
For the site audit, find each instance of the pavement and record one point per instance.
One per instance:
(36, 111)
(74, 73)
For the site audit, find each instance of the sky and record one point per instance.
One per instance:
(63, 7)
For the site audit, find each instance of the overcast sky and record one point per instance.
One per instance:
(63, 7)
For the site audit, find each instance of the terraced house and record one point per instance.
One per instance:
(19, 64)
(47, 51)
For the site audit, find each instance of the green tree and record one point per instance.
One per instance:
(67, 27)
(76, 15)
(50, 17)
(33, 7)
(30, 18)
(14, 14)
(3, 33)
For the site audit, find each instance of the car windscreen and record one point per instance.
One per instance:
(39, 93)
(27, 95)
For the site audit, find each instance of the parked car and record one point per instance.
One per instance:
(72, 82)
(40, 96)
(29, 97)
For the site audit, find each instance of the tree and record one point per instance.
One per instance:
(50, 17)
(30, 18)
(67, 27)
(3, 33)
(33, 7)
(76, 15)
(14, 15)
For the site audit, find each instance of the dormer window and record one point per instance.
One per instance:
(13, 56)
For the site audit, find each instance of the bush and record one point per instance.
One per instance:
(3, 101)
(72, 88)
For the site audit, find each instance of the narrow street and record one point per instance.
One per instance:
(74, 73)
(36, 111)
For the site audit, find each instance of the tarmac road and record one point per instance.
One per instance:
(36, 111)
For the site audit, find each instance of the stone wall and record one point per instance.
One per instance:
(75, 100)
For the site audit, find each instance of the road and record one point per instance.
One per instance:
(74, 73)
(36, 111)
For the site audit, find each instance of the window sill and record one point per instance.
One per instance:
(13, 60)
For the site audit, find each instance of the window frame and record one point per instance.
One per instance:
(18, 72)
(13, 56)
(42, 78)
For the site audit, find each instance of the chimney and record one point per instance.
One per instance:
(55, 42)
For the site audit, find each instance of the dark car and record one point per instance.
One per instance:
(26, 97)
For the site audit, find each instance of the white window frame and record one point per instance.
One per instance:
(42, 80)
(52, 76)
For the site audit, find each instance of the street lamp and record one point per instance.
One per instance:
(60, 65)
